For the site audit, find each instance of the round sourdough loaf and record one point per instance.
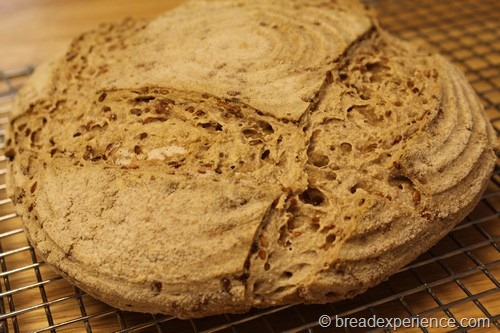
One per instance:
(237, 154)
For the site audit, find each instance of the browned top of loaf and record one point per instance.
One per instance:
(243, 153)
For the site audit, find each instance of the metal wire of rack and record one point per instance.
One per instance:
(457, 278)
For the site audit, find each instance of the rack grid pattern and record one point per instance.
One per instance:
(457, 278)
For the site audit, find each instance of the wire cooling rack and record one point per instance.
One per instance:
(457, 278)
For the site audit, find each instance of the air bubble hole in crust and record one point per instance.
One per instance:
(331, 294)
(265, 154)
(312, 196)
(211, 125)
(280, 289)
(331, 238)
(353, 189)
(331, 175)
(346, 147)
(319, 160)
(266, 127)
(144, 99)
(251, 133)
(401, 182)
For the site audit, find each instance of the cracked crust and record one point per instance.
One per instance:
(220, 171)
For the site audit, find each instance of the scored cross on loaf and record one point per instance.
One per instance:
(235, 154)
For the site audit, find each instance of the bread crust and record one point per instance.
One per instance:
(238, 154)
